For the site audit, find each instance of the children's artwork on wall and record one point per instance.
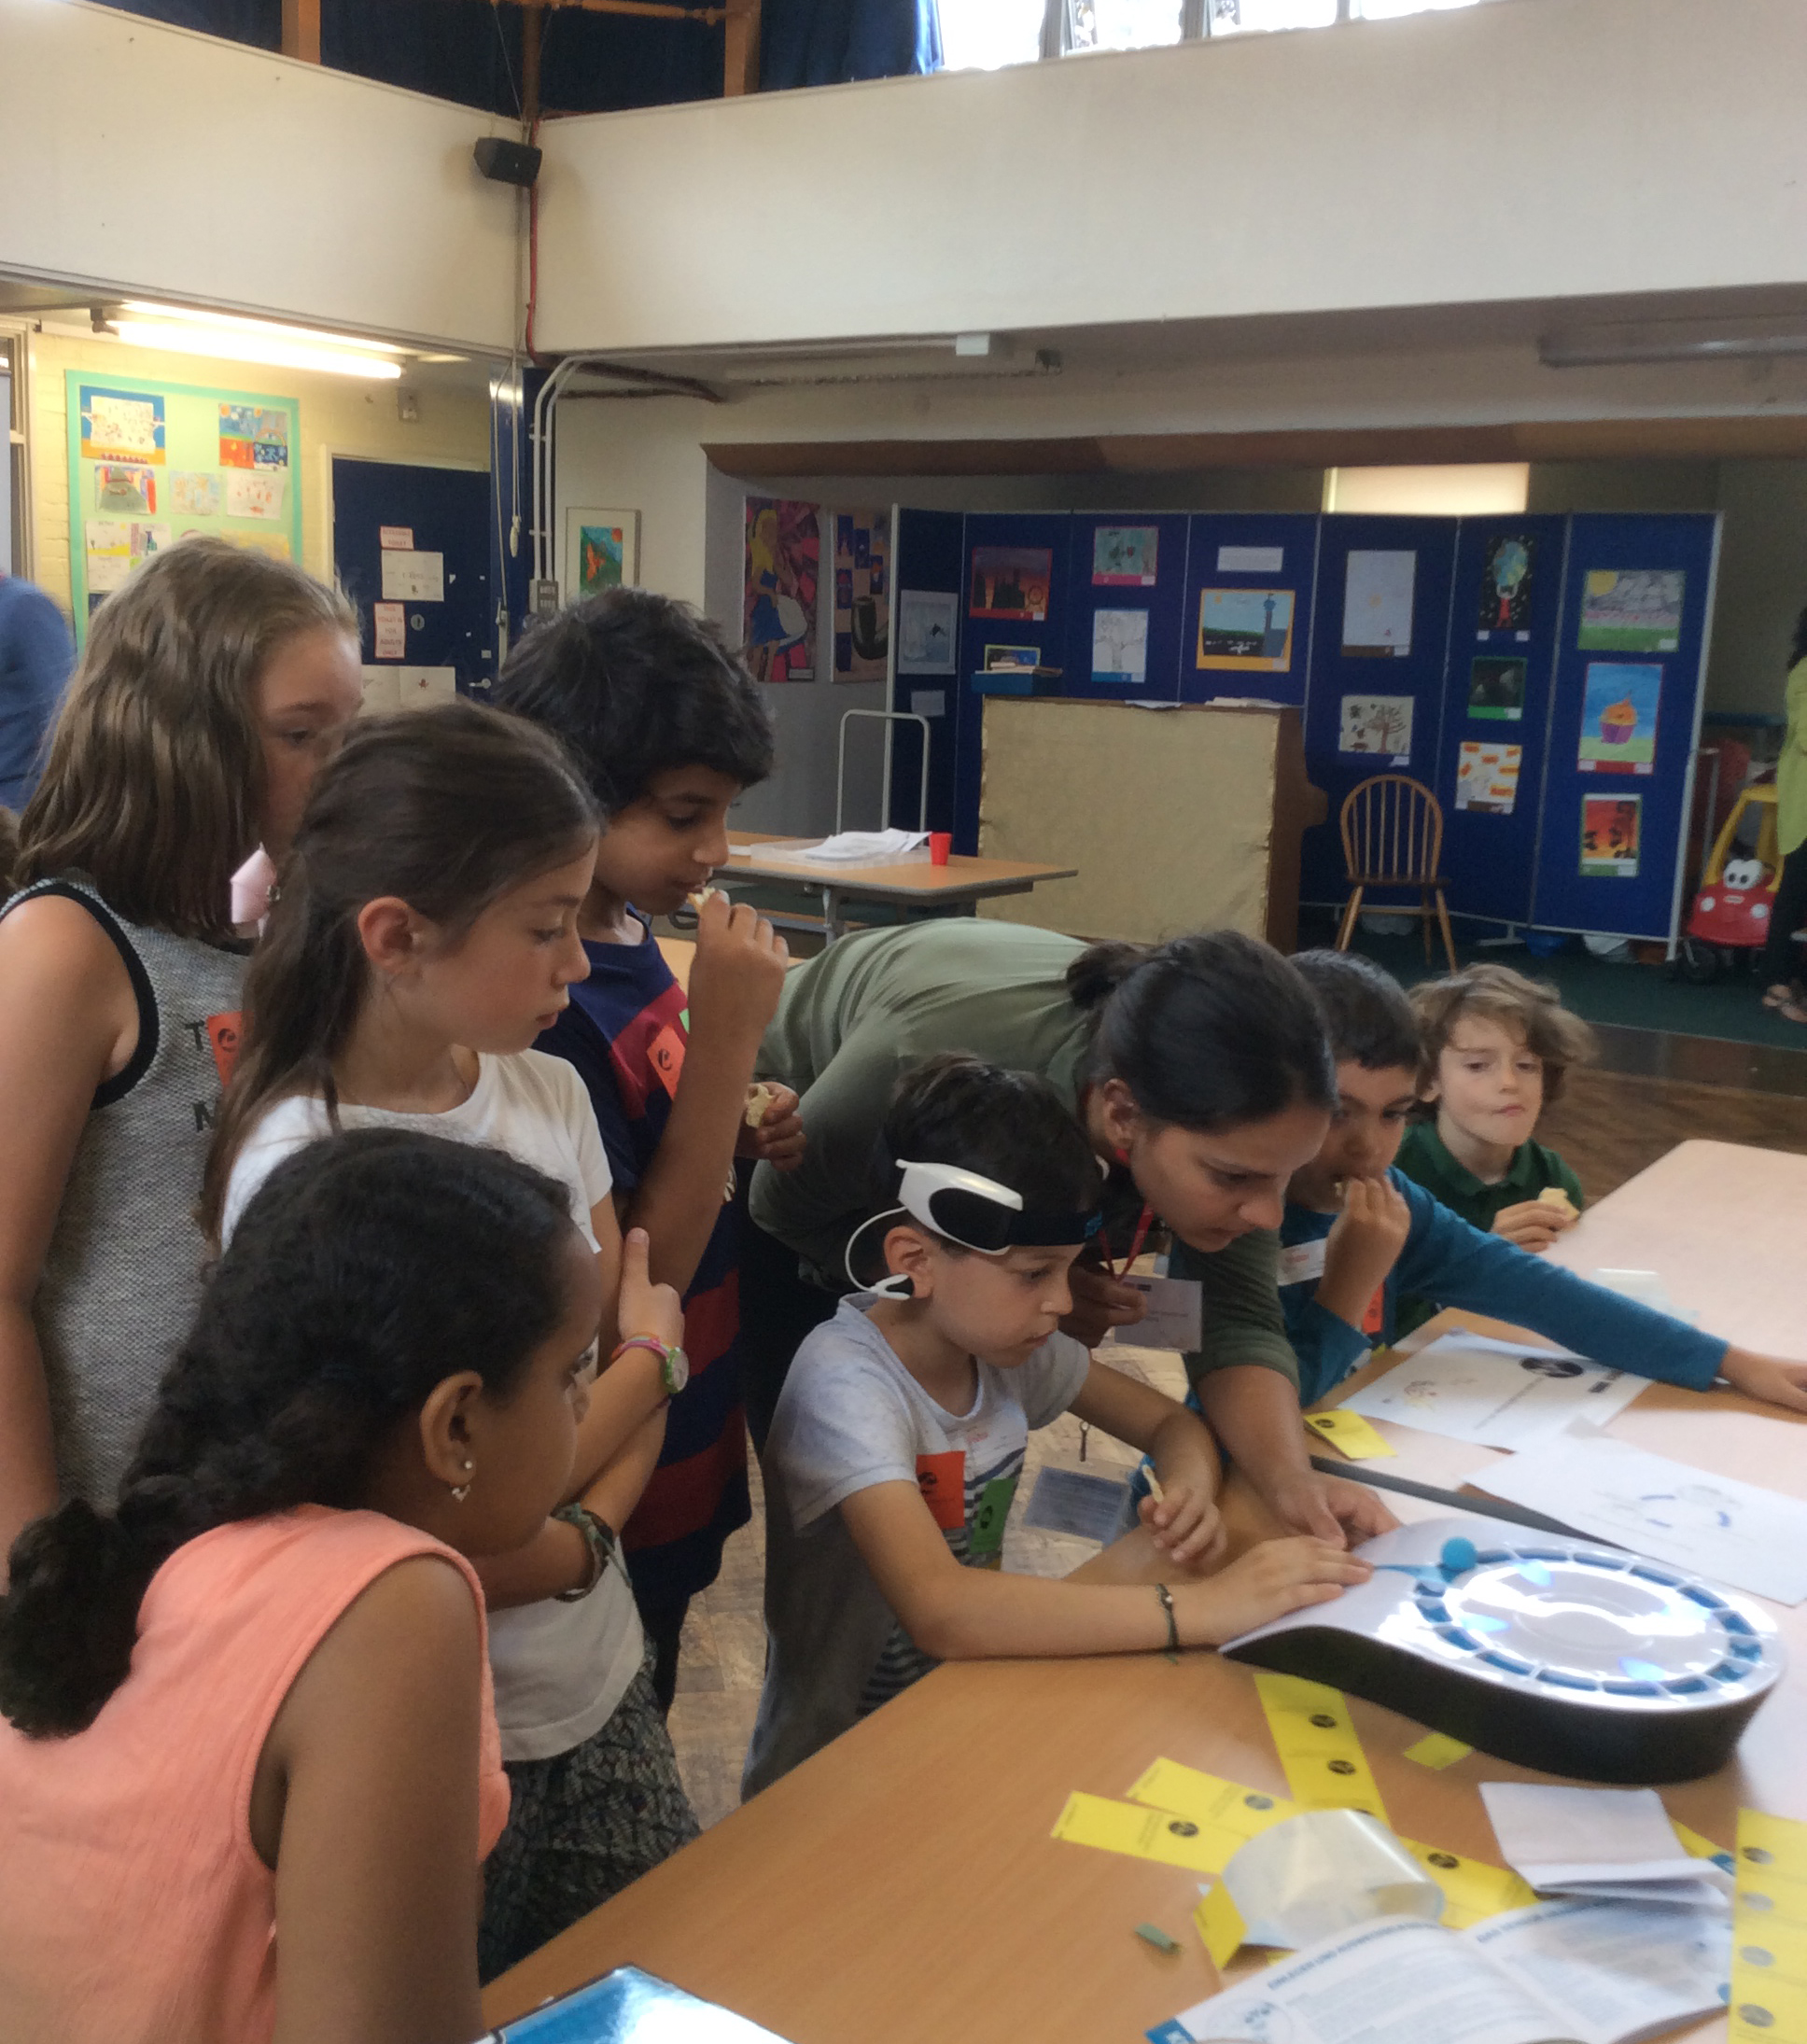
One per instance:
(1012, 582)
(1505, 582)
(784, 551)
(194, 492)
(1496, 690)
(1618, 717)
(125, 486)
(1378, 723)
(602, 551)
(147, 459)
(1378, 603)
(1012, 656)
(1120, 648)
(928, 631)
(1487, 776)
(1612, 829)
(120, 425)
(1631, 609)
(1124, 557)
(253, 436)
(1247, 628)
(862, 612)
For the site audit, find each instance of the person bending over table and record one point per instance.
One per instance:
(1199, 1070)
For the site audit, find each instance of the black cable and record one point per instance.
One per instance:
(508, 69)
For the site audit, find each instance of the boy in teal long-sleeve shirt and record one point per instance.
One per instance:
(1358, 1234)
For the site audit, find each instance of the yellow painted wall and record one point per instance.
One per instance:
(340, 416)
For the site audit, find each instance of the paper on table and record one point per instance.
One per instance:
(1603, 1843)
(855, 848)
(1751, 1538)
(1496, 1393)
(1555, 1973)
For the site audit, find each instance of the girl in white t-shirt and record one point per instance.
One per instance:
(423, 934)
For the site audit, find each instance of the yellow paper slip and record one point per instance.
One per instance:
(1472, 1890)
(1312, 1729)
(1230, 1813)
(1769, 1932)
(1142, 1833)
(1348, 1433)
(1437, 1750)
(1702, 1848)
(1219, 1924)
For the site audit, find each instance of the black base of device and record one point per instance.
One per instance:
(1581, 1740)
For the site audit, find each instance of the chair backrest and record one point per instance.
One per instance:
(1392, 829)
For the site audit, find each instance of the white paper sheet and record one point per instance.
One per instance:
(1378, 601)
(412, 577)
(1735, 1532)
(1497, 1394)
(928, 631)
(856, 848)
(1556, 1973)
(1250, 560)
(1120, 647)
(1600, 1842)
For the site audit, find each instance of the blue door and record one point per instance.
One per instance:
(411, 549)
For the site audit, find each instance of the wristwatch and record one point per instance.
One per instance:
(598, 1536)
(674, 1365)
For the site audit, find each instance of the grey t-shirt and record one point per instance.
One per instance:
(852, 1416)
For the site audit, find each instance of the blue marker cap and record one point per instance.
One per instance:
(1458, 1556)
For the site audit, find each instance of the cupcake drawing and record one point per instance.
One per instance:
(1617, 721)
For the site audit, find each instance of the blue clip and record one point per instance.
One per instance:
(1458, 1556)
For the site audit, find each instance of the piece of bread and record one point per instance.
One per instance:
(759, 1104)
(700, 895)
(1554, 1196)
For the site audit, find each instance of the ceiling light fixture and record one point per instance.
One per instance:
(188, 332)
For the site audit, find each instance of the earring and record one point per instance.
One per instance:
(462, 1491)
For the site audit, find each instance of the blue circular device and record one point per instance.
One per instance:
(1555, 1652)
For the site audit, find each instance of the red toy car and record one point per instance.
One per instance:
(1736, 894)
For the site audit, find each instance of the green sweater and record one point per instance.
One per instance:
(869, 1007)
(1425, 1158)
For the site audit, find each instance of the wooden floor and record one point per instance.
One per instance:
(1609, 1127)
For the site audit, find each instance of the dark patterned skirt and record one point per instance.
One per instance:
(582, 1825)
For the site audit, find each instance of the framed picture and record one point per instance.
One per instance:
(602, 551)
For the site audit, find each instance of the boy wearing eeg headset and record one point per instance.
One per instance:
(900, 1436)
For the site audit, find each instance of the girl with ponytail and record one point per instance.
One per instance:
(212, 687)
(1198, 1069)
(423, 935)
(248, 1711)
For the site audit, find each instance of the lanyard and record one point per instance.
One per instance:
(1136, 1241)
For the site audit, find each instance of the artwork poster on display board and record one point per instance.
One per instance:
(152, 463)
(783, 568)
(1250, 629)
(1509, 576)
(862, 601)
(928, 631)
(1012, 582)
(1619, 701)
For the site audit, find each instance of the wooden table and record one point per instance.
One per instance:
(902, 1886)
(961, 883)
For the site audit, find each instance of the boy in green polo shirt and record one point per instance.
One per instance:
(1496, 1047)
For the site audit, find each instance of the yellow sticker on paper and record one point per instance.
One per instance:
(1226, 1812)
(1313, 1731)
(1219, 1924)
(1769, 1932)
(1142, 1833)
(1701, 1848)
(1349, 1432)
(1437, 1750)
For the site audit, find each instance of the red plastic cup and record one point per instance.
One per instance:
(940, 844)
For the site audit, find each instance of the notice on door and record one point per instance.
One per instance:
(391, 623)
(412, 577)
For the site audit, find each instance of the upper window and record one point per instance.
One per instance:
(1123, 24)
(984, 34)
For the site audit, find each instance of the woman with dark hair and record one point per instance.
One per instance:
(1785, 990)
(1197, 1069)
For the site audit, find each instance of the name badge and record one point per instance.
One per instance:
(1303, 1262)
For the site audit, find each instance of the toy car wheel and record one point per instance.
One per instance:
(1699, 961)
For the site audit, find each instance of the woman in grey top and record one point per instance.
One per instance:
(214, 684)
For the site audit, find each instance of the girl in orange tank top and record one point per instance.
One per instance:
(250, 1765)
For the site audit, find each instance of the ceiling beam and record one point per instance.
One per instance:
(300, 30)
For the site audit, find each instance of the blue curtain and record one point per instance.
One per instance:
(832, 42)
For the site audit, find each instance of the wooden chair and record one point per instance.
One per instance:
(1393, 837)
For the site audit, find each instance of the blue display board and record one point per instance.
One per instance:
(1016, 567)
(1380, 652)
(931, 560)
(1127, 574)
(1251, 580)
(1507, 605)
(1625, 721)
